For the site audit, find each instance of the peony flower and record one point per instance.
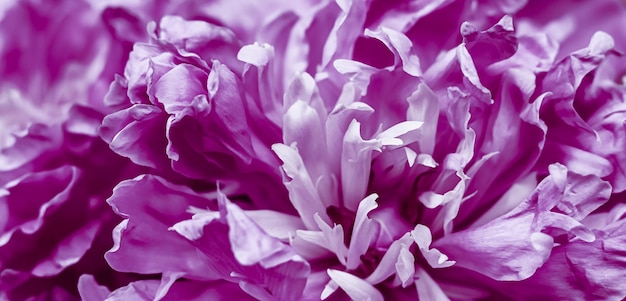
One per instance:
(405, 164)
(333, 150)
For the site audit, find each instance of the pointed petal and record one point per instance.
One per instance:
(302, 192)
(427, 288)
(364, 231)
(355, 287)
(402, 48)
(356, 160)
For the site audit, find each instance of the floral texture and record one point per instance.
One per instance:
(312, 150)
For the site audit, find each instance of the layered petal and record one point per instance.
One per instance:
(537, 222)
(239, 251)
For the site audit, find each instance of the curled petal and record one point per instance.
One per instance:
(402, 48)
(423, 238)
(394, 262)
(363, 232)
(90, 290)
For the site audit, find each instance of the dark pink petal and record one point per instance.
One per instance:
(68, 251)
(32, 148)
(583, 270)
(27, 202)
(136, 133)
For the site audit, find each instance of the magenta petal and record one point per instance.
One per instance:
(492, 45)
(389, 264)
(136, 133)
(556, 206)
(402, 48)
(567, 75)
(356, 160)
(423, 238)
(90, 290)
(363, 232)
(239, 251)
(302, 191)
(582, 270)
(178, 87)
(29, 148)
(351, 16)
(142, 242)
(305, 128)
(69, 251)
(354, 286)
(228, 103)
(25, 204)
(424, 107)
(142, 290)
(312, 243)
(199, 39)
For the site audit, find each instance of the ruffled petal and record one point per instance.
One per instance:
(531, 228)
(492, 45)
(27, 202)
(331, 239)
(401, 47)
(395, 261)
(179, 86)
(239, 251)
(582, 270)
(68, 251)
(142, 242)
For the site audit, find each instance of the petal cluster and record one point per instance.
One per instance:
(312, 150)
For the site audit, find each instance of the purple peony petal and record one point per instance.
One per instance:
(354, 286)
(558, 203)
(90, 290)
(427, 288)
(312, 150)
(239, 251)
(123, 129)
(423, 238)
(151, 206)
(69, 251)
(53, 189)
(302, 191)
